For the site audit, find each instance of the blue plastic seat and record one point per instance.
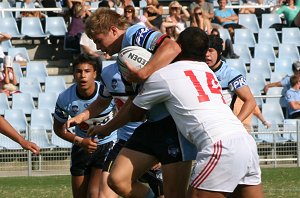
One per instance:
(7, 143)
(290, 51)
(55, 84)
(16, 119)
(244, 36)
(47, 100)
(271, 135)
(264, 51)
(4, 105)
(269, 19)
(30, 86)
(59, 142)
(20, 51)
(238, 64)
(39, 136)
(249, 21)
(6, 45)
(260, 66)
(23, 101)
(18, 71)
(275, 91)
(55, 26)
(268, 36)
(291, 36)
(290, 126)
(224, 34)
(9, 25)
(243, 51)
(41, 118)
(256, 83)
(283, 65)
(38, 70)
(273, 112)
(32, 27)
(5, 14)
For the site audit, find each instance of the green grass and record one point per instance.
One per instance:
(278, 183)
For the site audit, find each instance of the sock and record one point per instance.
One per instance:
(150, 194)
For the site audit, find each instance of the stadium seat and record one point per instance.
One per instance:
(289, 50)
(276, 92)
(18, 51)
(4, 105)
(264, 51)
(23, 101)
(244, 36)
(249, 21)
(260, 66)
(270, 135)
(224, 34)
(7, 143)
(55, 84)
(39, 136)
(6, 45)
(32, 27)
(273, 112)
(55, 26)
(238, 64)
(283, 65)
(256, 83)
(38, 70)
(47, 100)
(269, 19)
(6, 14)
(290, 126)
(9, 25)
(291, 36)
(41, 118)
(59, 142)
(16, 119)
(243, 51)
(31, 86)
(18, 71)
(268, 36)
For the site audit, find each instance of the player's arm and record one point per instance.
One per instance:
(93, 110)
(164, 54)
(7, 130)
(246, 96)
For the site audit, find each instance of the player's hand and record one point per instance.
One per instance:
(89, 145)
(97, 130)
(133, 74)
(156, 166)
(72, 122)
(30, 146)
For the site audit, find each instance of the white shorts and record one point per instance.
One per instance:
(227, 163)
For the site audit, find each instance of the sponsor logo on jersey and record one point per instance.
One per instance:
(173, 150)
(75, 109)
(141, 36)
(237, 83)
(114, 83)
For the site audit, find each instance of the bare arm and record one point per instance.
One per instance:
(274, 84)
(259, 115)
(4, 36)
(295, 105)
(246, 96)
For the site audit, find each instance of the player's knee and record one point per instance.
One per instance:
(118, 185)
(92, 193)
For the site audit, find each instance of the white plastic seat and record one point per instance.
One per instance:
(7, 143)
(9, 25)
(41, 118)
(291, 36)
(290, 125)
(268, 36)
(275, 91)
(16, 119)
(269, 19)
(47, 100)
(6, 45)
(55, 26)
(283, 65)
(270, 135)
(224, 34)
(244, 36)
(290, 51)
(31, 86)
(39, 136)
(4, 105)
(32, 27)
(260, 66)
(243, 51)
(273, 112)
(38, 70)
(55, 84)
(5, 14)
(264, 51)
(23, 101)
(238, 64)
(18, 71)
(18, 51)
(249, 21)
(59, 142)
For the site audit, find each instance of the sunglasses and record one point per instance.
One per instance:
(128, 11)
(198, 13)
(175, 8)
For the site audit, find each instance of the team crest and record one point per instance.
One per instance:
(75, 109)
(114, 83)
(173, 150)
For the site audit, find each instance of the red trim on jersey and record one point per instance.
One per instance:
(210, 166)
(159, 41)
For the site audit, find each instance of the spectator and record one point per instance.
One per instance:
(121, 4)
(289, 9)
(198, 20)
(292, 97)
(31, 4)
(153, 12)
(177, 18)
(257, 11)
(8, 78)
(129, 13)
(105, 3)
(227, 17)
(3, 37)
(206, 8)
(297, 20)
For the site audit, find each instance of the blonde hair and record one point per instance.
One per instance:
(173, 3)
(101, 21)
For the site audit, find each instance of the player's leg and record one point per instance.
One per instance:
(127, 168)
(79, 186)
(105, 191)
(176, 176)
(94, 183)
(247, 191)
(199, 193)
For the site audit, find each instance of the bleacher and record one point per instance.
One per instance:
(265, 56)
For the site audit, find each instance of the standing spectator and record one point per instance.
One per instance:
(289, 9)
(88, 153)
(153, 12)
(177, 18)
(198, 20)
(8, 78)
(3, 37)
(227, 17)
(292, 97)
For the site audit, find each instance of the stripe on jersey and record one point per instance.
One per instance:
(209, 167)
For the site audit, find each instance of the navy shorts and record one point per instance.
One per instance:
(82, 162)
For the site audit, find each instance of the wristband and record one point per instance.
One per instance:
(77, 140)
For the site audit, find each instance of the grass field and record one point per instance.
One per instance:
(278, 183)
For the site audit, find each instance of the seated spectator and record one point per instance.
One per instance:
(8, 78)
(153, 11)
(297, 20)
(31, 4)
(292, 97)
(3, 37)
(257, 11)
(198, 20)
(177, 18)
(120, 5)
(206, 7)
(289, 9)
(227, 17)
(129, 13)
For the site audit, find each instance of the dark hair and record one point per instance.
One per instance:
(81, 59)
(215, 30)
(294, 80)
(104, 4)
(194, 44)
(216, 42)
(296, 66)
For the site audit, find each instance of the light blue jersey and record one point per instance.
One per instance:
(230, 80)
(70, 104)
(290, 96)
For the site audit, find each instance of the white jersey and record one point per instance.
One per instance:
(192, 95)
